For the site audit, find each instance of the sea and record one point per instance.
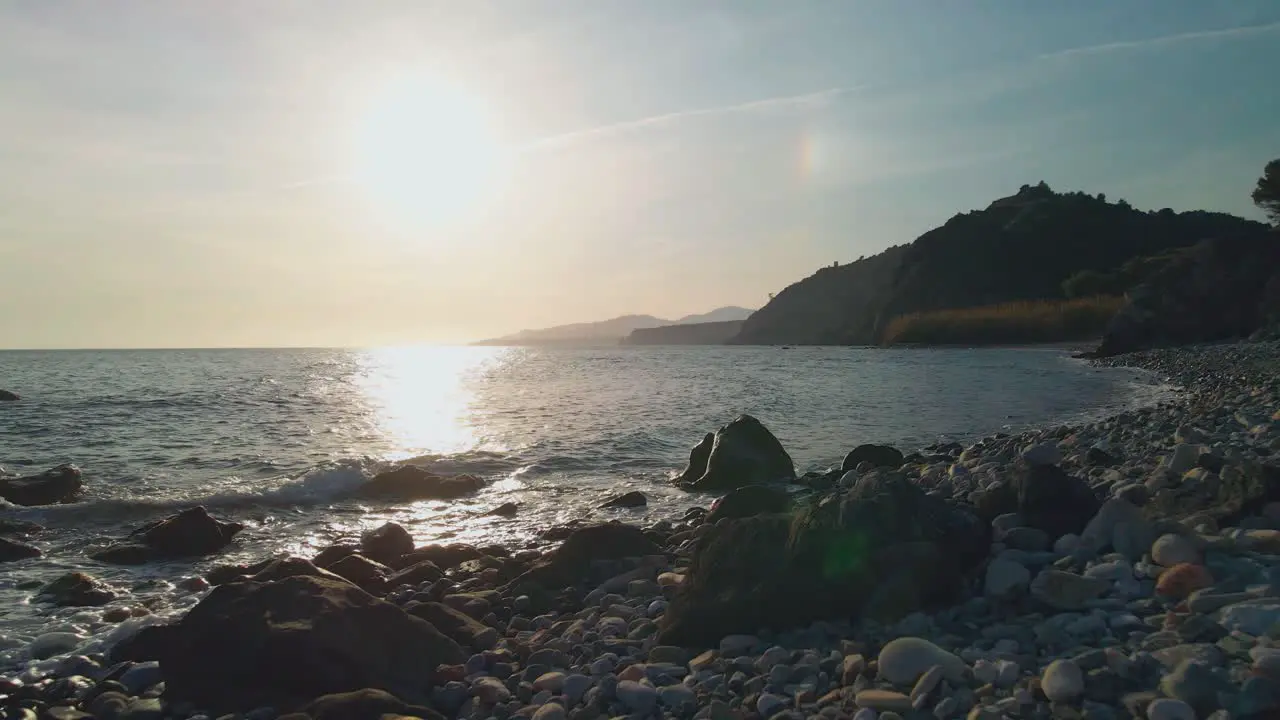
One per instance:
(281, 439)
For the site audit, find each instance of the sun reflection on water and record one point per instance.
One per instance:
(423, 398)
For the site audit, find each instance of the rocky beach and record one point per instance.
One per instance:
(1121, 568)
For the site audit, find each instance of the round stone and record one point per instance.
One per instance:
(1183, 579)
(883, 700)
(1169, 709)
(1169, 550)
(1062, 681)
(1005, 579)
(550, 711)
(552, 681)
(638, 698)
(904, 660)
(53, 643)
(769, 704)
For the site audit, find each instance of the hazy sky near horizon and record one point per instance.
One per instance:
(331, 172)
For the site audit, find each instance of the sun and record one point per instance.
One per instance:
(426, 150)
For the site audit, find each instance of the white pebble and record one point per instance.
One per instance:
(1169, 550)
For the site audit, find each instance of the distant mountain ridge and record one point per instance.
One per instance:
(610, 331)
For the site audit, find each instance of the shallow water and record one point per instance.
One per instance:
(279, 438)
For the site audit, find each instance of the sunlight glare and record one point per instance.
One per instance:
(427, 151)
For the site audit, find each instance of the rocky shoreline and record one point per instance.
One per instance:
(1124, 568)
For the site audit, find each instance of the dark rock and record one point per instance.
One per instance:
(698, 457)
(750, 500)
(1053, 501)
(571, 563)
(190, 533)
(1196, 685)
(506, 509)
(282, 568)
(743, 452)
(7, 396)
(410, 482)
(76, 589)
(442, 556)
(367, 704)
(223, 574)
(1216, 290)
(51, 487)
(19, 527)
(1099, 457)
(1238, 493)
(882, 550)
(878, 455)
(365, 573)
(11, 550)
(425, 571)
(333, 554)
(633, 499)
(386, 543)
(464, 629)
(279, 644)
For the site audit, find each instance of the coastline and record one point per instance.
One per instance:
(571, 632)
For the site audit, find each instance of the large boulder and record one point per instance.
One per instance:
(1237, 492)
(748, 501)
(51, 487)
(190, 533)
(882, 550)
(881, 456)
(571, 563)
(1216, 290)
(7, 396)
(743, 452)
(282, 643)
(11, 550)
(386, 543)
(410, 482)
(1053, 501)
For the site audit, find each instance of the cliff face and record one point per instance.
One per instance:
(711, 333)
(1219, 289)
(1018, 248)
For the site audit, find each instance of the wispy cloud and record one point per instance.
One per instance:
(787, 103)
(1222, 34)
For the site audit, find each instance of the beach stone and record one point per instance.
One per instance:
(76, 589)
(386, 543)
(490, 690)
(633, 499)
(1183, 579)
(1255, 617)
(141, 676)
(1006, 579)
(1052, 501)
(54, 643)
(1169, 709)
(574, 559)
(1258, 697)
(851, 667)
(409, 482)
(637, 697)
(575, 686)
(1028, 539)
(363, 704)
(461, 627)
(1062, 681)
(748, 501)
(883, 700)
(865, 714)
(58, 485)
(1121, 526)
(418, 573)
(1066, 591)
(1183, 457)
(927, 683)
(902, 661)
(1042, 454)
(769, 705)
(552, 681)
(550, 711)
(11, 550)
(677, 696)
(1170, 550)
(880, 456)
(742, 452)
(278, 643)
(190, 533)
(1196, 685)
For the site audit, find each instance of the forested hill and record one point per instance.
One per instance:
(1022, 247)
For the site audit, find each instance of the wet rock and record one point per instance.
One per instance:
(366, 574)
(11, 550)
(76, 589)
(366, 704)
(743, 452)
(464, 629)
(750, 500)
(61, 484)
(190, 533)
(284, 642)
(386, 543)
(881, 456)
(633, 499)
(410, 482)
(444, 557)
(1053, 501)
(506, 509)
(572, 562)
(416, 574)
(9, 396)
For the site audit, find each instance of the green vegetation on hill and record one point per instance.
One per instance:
(1016, 323)
(1019, 248)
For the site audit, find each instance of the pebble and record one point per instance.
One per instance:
(1062, 681)
(1006, 579)
(883, 700)
(54, 643)
(769, 704)
(549, 711)
(1170, 550)
(638, 698)
(678, 695)
(904, 660)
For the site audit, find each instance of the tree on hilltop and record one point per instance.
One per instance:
(1267, 193)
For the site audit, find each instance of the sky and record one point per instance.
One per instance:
(335, 173)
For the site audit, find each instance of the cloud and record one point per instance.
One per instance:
(1225, 33)
(807, 101)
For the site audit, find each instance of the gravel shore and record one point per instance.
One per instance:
(1162, 602)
